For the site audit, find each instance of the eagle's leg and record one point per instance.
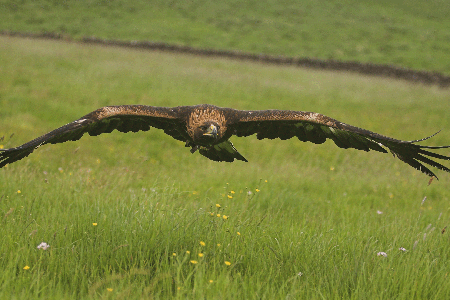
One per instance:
(194, 148)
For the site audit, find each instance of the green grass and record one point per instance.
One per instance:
(150, 198)
(411, 34)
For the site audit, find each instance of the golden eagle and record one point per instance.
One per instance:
(207, 128)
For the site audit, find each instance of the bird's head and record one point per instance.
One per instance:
(206, 134)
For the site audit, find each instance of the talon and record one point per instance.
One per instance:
(194, 148)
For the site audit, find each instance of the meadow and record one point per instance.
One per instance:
(137, 216)
(412, 34)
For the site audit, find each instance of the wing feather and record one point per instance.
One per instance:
(124, 118)
(317, 128)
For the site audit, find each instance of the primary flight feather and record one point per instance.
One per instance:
(207, 128)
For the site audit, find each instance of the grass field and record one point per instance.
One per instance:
(411, 34)
(131, 216)
(137, 216)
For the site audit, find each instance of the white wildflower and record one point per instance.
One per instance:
(382, 254)
(43, 246)
(402, 249)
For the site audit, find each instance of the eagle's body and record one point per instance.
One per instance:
(207, 128)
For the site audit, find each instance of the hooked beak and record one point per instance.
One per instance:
(211, 131)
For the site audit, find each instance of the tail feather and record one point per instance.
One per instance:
(224, 151)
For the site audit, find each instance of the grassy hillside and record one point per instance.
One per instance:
(411, 34)
(127, 215)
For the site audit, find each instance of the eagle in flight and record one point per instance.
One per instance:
(207, 128)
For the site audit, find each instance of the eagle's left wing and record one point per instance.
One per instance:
(316, 128)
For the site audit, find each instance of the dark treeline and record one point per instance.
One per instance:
(424, 77)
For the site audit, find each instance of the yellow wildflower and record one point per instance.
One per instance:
(230, 197)
(218, 245)
(202, 243)
(200, 255)
(265, 180)
(19, 191)
(218, 215)
(193, 262)
(174, 254)
(257, 190)
(232, 192)
(94, 224)
(109, 289)
(26, 267)
(188, 252)
(225, 217)
(238, 233)
(211, 281)
(227, 263)
(1, 146)
(218, 205)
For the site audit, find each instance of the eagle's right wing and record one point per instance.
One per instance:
(124, 118)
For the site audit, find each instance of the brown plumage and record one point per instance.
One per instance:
(207, 128)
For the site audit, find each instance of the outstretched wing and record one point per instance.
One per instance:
(316, 128)
(124, 118)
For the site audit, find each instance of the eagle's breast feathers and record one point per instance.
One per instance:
(203, 114)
